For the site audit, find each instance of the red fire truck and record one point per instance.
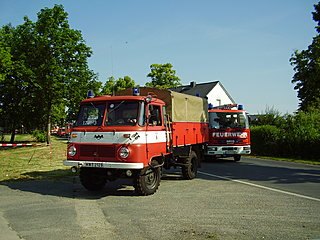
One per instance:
(229, 133)
(136, 135)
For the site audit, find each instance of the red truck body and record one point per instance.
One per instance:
(136, 136)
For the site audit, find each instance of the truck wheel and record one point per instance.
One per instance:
(93, 179)
(236, 158)
(190, 170)
(147, 181)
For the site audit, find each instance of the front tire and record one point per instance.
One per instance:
(147, 181)
(93, 179)
(190, 170)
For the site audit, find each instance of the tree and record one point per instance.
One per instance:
(61, 61)
(50, 61)
(111, 86)
(163, 76)
(108, 88)
(124, 83)
(16, 76)
(307, 70)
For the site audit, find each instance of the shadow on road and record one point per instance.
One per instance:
(70, 187)
(60, 183)
(279, 173)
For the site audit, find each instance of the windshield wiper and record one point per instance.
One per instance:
(112, 110)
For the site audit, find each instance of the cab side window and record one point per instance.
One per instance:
(154, 118)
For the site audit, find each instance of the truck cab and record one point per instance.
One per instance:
(229, 133)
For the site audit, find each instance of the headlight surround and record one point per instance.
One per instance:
(72, 151)
(124, 152)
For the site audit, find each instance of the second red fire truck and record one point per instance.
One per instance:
(229, 133)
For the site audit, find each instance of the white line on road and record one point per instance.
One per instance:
(260, 186)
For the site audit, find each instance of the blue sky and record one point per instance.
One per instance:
(246, 45)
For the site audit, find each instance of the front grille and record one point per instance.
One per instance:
(97, 151)
(229, 148)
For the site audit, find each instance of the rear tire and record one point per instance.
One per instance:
(237, 158)
(190, 170)
(147, 181)
(93, 179)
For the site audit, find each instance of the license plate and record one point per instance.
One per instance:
(96, 165)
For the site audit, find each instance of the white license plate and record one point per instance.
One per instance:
(95, 165)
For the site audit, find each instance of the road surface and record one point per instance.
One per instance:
(251, 199)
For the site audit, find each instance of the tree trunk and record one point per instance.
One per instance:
(13, 135)
(49, 123)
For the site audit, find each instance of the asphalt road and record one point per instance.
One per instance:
(252, 199)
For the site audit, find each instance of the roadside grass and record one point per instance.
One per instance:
(296, 160)
(40, 162)
(18, 138)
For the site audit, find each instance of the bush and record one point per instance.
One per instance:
(302, 135)
(39, 135)
(265, 140)
(296, 136)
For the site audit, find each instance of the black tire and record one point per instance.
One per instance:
(190, 170)
(93, 179)
(236, 158)
(147, 181)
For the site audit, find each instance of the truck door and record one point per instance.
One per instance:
(156, 134)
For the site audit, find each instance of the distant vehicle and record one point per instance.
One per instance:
(229, 133)
(61, 132)
(55, 130)
(64, 131)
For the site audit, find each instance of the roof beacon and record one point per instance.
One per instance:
(90, 94)
(135, 91)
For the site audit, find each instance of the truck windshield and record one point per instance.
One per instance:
(224, 120)
(125, 113)
(91, 115)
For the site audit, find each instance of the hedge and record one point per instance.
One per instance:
(298, 137)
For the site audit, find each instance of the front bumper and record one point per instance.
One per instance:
(228, 150)
(92, 164)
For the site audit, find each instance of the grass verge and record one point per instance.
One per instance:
(41, 162)
(296, 160)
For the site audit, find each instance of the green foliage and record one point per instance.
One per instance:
(111, 86)
(265, 139)
(40, 136)
(163, 76)
(298, 136)
(307, 70)
(302, 135)
(270, 117)
(43, 71)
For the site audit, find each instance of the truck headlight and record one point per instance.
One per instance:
(124, 152)
(72, 151)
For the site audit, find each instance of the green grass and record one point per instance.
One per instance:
(18, 138)
(296, 160)
(40, 162)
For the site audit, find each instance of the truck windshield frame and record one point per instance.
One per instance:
(231, 120)
(125, 113)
